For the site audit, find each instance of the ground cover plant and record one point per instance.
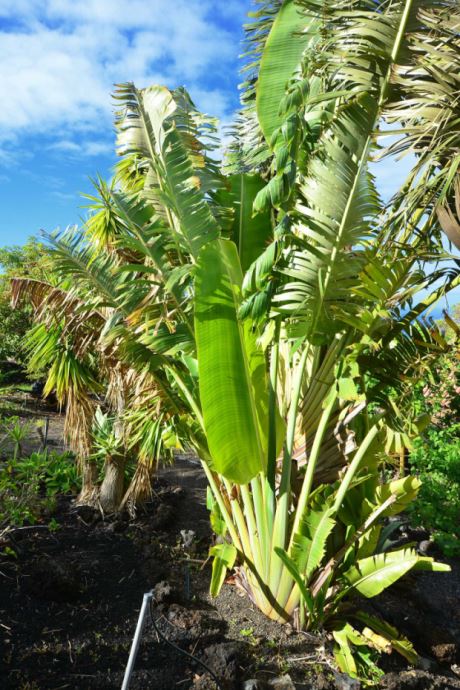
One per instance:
(30, 483)
(29, 487)
(268, 313)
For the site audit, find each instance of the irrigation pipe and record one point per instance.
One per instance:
(136, 639)
(147, 605)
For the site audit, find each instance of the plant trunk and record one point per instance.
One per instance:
(89, 490)
(112, 485)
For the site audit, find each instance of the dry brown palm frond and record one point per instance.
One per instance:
(336, 448)
(117, 391)
(80, 409)
(140, 488)
(147, 416)
(35, 291)
(54, 305)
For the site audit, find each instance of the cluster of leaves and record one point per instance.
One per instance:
(345, 552)
(16, 432)
(29, 486)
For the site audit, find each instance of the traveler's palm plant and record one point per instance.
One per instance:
(273, 311)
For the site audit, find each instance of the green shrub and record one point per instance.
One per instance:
(436, 459)
(29, 486)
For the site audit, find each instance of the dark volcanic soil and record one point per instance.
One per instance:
(69, 603)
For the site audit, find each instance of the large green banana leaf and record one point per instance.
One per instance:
(250, 232)
(232, 371)
(281, 56)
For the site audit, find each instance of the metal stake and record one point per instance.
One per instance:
(136, 640)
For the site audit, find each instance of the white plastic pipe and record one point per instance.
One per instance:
(136, 640)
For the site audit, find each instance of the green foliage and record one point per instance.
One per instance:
(356, 654)
(336, 556)
(31, 260)
(13, 327)
(436, 460)
(281, 58)
(218, 525)
(231, 367)
(108, 445)
(344, 546)
(224, 556)
(29, 486)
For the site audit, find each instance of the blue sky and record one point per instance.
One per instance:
(60, 60)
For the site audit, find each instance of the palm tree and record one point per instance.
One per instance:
(90, 356)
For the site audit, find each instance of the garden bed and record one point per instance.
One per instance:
(69, 601)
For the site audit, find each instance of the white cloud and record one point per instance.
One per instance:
(63, 196)
(97, 148)
(50, 80)
(82, 148)
(60, 59)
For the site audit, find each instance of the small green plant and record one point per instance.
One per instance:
(29, 486)
(53, 525)
(8, 551)
(436, 459)
(16, 431)
(357, 653)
